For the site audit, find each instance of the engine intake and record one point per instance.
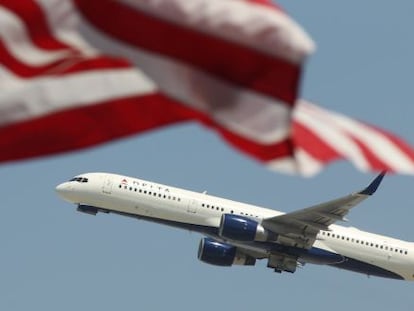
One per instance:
(221, 254)
(241, 228)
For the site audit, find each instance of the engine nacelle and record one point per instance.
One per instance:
(221, 254)
(241, 228)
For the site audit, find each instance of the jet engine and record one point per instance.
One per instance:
(221, 254)
(240, 228)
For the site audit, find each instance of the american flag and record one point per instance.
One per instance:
(77, 73)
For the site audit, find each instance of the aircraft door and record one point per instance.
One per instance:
(192, 206)
(388, 250)
(107, 185)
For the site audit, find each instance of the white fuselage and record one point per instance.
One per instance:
(202, 212)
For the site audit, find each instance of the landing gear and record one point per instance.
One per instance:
(91, 210)
(281, 263)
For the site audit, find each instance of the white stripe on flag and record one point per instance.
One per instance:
(36, 97)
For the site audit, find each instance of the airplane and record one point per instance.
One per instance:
(240, 234)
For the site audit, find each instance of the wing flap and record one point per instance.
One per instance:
(305, 224)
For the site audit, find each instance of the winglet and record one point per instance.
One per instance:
(373, 186)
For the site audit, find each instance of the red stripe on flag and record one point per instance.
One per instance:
(267, 3)
(90, 125)
(311, 143)
(401, 144)
(97, 63)
(66, 65)
(375, 163)
(86, 126)
(254, 149)
(226, 60)
(264, 153)
(322, 152)
(31, 14)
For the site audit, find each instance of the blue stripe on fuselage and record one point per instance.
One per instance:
(313, 254)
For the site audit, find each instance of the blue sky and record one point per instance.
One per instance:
(53, 258)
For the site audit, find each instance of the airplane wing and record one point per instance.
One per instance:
(300, 228)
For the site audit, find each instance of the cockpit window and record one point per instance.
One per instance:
(79, 179)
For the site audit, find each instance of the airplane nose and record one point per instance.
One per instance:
(60, 188)
(63, 190)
